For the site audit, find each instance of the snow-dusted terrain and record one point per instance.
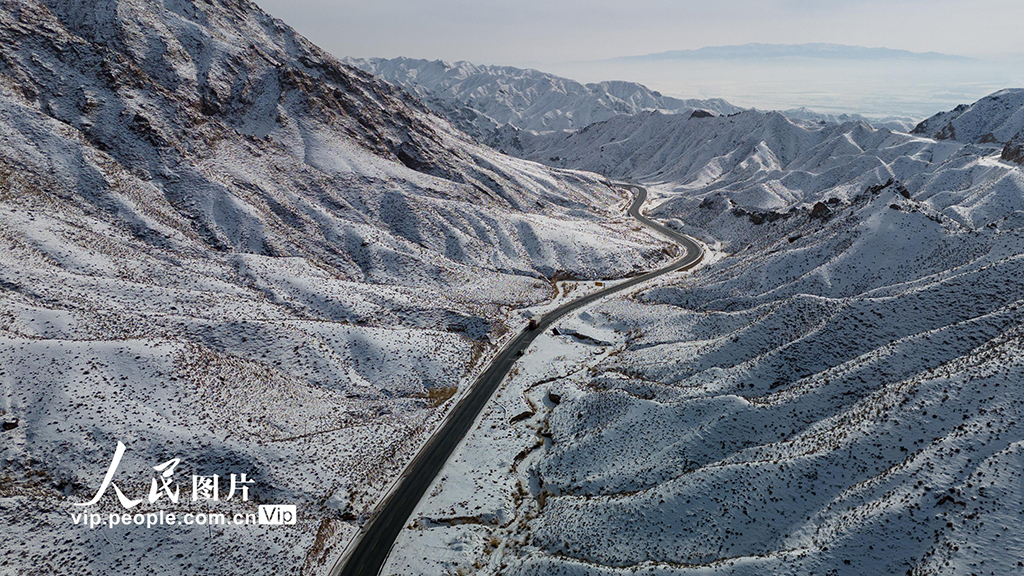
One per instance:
(997, 119)
(480, 98)
(219, 244)
(837, 392)
(766, 160)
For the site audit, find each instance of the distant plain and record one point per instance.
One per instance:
(913, 89)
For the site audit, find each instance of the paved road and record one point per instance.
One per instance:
(381, 530)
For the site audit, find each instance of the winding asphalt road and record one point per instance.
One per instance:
(369, 553)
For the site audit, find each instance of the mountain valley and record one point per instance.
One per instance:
(222, 246)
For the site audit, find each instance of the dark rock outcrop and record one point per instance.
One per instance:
(1014, 150)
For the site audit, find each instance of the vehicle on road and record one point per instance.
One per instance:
(534, 322)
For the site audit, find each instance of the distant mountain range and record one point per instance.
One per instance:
(717, 152)
(480, 98)
(815, 51)
(485, 101)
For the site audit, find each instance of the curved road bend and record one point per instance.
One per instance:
(374, 544)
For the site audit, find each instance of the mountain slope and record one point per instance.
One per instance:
(480, 99)
(696, 151)
(995, 119)
(219, 244)
(835, 392)
(838, 397)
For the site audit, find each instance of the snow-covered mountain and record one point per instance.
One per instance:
(492, 103)
(799, 158)
(694, 150)
(836, 392)
(480, 98)
(996, 119)
(220, 244)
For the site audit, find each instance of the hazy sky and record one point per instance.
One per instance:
(540, 31)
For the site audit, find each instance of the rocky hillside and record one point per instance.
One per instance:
(480, 98)
(997, 119)
(220, 244)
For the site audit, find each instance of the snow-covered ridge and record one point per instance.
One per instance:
(997, 119)
(481, 98)
(765, 161)
(220, 244)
